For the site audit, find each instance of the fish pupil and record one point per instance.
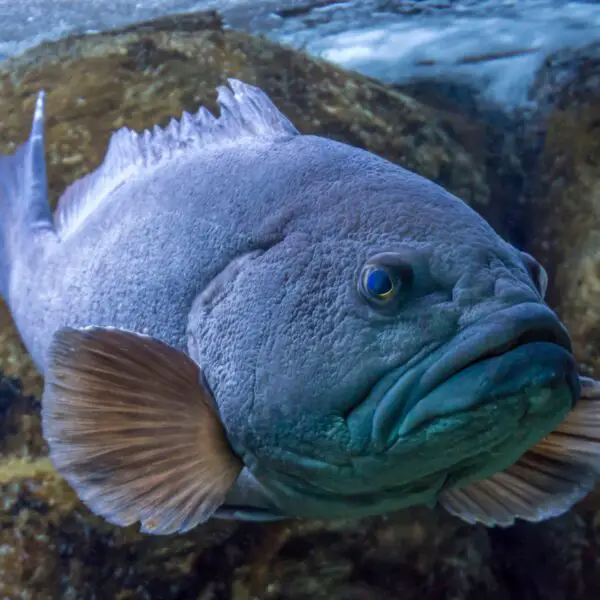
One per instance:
(379, 283)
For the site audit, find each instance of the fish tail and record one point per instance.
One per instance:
(24, 207)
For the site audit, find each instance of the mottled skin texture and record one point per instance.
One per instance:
(287, 343)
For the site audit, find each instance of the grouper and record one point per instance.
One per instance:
(236, 320)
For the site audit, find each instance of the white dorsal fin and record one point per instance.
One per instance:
(246, 111)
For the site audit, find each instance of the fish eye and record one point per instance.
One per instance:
(378, 283)
(384, 279)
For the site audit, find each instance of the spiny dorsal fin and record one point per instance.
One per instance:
(246, 112)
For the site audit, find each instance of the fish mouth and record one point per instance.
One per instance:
(522, 346)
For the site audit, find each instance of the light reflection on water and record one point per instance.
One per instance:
(496, 44)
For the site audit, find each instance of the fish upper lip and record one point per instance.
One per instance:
(493, 336)
(503, 331)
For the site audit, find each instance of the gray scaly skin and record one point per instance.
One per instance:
(247, 247)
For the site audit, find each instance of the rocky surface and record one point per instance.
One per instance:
(564, 191)
(52, 547)
(496, 45)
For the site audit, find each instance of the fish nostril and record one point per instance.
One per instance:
(537, 272)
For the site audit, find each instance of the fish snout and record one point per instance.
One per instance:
(496, 335)
(521, 349)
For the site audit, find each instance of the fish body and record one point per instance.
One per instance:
(237, 320)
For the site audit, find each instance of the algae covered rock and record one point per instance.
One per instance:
(564, 197)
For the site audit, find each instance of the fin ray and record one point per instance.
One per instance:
(171, 471)
(535, 488)
(577, 439)
(547, 480)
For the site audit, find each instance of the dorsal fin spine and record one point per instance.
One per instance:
(246, 112)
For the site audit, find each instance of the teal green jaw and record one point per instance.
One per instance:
(494, 378)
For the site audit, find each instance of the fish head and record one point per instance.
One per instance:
(390, 344)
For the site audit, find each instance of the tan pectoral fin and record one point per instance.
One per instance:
(133, 429)
(577, 439)
(535, 488)
(547, 480)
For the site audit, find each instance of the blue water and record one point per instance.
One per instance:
(495, 44)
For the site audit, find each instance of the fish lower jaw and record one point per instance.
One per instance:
(507, 350)
(533, 370)
(417, 468)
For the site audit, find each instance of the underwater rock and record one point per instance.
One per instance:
(146, 74)
(564, 195)
(561, 154)
(487, 130)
